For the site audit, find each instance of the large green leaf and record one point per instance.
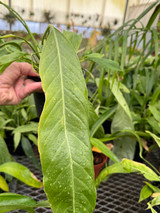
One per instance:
(20, 172)
(64, 145)
(12, 201)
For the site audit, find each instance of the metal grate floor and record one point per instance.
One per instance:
(119, 194)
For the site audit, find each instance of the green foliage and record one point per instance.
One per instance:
(19, 120)
(131, 80)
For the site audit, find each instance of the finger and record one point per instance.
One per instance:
(26, 69)
(30, 88)
(20, 68)
(15, 71)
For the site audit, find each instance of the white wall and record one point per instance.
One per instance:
(135, 10)
(82, 12)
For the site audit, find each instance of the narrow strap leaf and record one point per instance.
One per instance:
(124, 49)
(104, 149)
(101, 120)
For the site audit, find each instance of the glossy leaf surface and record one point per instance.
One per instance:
(12, 201)
(20, 172)
(64, 145)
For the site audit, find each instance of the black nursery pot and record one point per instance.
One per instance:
(10, 144)
(39, 99)
(107, 127)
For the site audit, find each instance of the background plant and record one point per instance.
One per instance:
(125, 71)
(19, 125)
(10, 19)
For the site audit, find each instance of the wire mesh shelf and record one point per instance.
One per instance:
(119, 194)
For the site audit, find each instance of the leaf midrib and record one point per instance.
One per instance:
(63, 106)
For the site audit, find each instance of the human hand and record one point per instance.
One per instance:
(14, 84)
